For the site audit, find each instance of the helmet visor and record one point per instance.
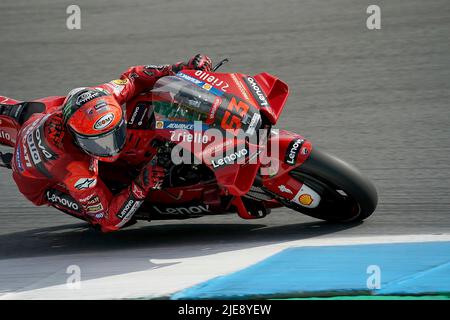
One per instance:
(106, 145)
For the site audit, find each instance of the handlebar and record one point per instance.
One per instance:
(221, 62)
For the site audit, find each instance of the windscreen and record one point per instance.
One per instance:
(178, 103)
(177, 100)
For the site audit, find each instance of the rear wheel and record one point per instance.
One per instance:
(346, 195)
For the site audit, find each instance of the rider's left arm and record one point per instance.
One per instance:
(139, 79)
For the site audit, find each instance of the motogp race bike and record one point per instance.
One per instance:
(207, 122)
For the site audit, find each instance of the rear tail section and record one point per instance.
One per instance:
(13, 114)
(9, 124)
(9, 127)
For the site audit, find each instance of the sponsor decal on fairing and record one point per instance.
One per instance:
(253, 124)
(183, 210)
(257, 92)
(189, 78)
(292, 151)
(213, 80)
(307, 197)
(201, 84)
(185, 136)
(213, 110)
(140, 117)
(174, 125)
(230, 159)
(285, 189)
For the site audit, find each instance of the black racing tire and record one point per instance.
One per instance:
(346, 194)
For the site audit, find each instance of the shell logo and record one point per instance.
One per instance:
(120, 82)
(306, 199)
(207, 86)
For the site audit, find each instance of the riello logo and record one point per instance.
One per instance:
(205, 76)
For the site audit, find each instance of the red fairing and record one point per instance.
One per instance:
(263, 90)
(8, 126)
(294, 150)
(276, 92)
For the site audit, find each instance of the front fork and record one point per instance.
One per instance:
(293, 151)
(286, 151)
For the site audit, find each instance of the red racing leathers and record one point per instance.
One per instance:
(49, 168)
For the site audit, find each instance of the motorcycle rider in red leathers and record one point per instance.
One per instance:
(55, 161)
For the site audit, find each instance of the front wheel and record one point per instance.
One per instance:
(346, 195)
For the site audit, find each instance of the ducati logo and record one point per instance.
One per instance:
(283, 188)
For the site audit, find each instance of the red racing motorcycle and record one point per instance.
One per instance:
(215, 135)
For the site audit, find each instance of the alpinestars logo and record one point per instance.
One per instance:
(85, 183)
(137, 192)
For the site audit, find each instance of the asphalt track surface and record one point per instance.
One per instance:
(378, 99)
